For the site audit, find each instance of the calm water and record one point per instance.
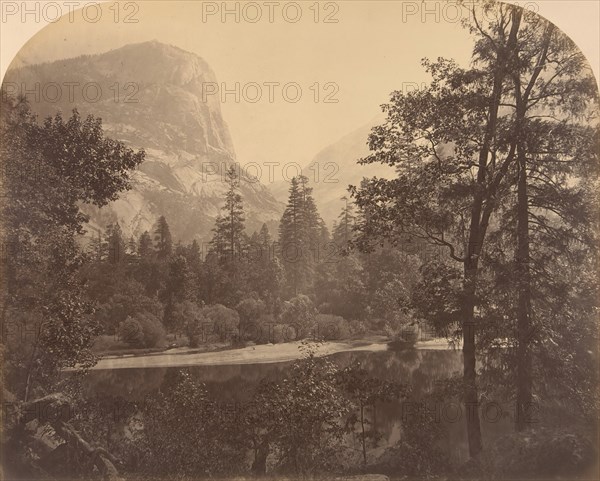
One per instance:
(420, 369)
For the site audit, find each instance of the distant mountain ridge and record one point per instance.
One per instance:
(150, 95)
(337, 168)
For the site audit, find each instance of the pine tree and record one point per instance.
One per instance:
(302, 234)
(163, 241)
(195, 256)
(227, 247)
(132, 247)
(96, 247)
(343, 228)
(115, 245)
(290, 238)
(265, 244)
(178, 288)
(264, 270)
(229, 239)
(145, 246)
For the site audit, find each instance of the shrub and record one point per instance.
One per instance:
(301, 313)
(188, 316)
(130, 331)
(300, 416)
(261, 332)
(331, 327)
(142, 330)
(250, 311)
(188, 436)
(225, 321)
(357, 328)
(128, 302)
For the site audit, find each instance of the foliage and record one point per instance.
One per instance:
(128, 301)
(78, 164)
(300, 313)
(301, 417)
(366, 393)
(142, 330)
(302, 238)
(187, 434)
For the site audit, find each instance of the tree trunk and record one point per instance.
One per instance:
(363, 437)
(471, 399)
(259, 465)
(524, 379)
(477, 232)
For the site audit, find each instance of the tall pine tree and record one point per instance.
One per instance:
(163, 241)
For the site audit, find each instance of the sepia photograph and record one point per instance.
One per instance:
(352, 240)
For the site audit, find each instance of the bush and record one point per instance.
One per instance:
(250, 311)
(553, 453)
(300, 313)
(186, 435)
(331, 327)
(300, 417)
(142, 330)
(261, 332)
(188, 316)
(357, 328)
(128, 302)
(225, 321)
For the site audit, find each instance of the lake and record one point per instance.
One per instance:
(233, 385)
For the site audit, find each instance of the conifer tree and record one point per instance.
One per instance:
(115, 245)
(225, 260)
(229, 239)
(302, 238)
(145, 245)
(163, 241)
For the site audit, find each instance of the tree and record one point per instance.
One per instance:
(300, 313)
(163, 243)
(264, 272)
(301, 416)
(461, 145)
(448, 144)
(78, 164)
(228, 239)
(178, 288)
(340, 287)
(343, 229)
(250, 311)
(205, 443)
(142, 330)
(115, 244)
(132, 248)
(301, 236)
(555, 107)
(228, 244)
(96, 247)
(365, 392)
(128, 299)
(68, 163)
(145, 246)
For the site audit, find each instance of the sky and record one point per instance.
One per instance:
(346, 57)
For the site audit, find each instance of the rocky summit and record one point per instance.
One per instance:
(152, 96)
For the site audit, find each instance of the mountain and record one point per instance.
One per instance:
(337, 169)
(150, 95)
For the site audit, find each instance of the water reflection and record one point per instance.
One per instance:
(421, 369)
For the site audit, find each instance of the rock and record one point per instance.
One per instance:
(153, 96)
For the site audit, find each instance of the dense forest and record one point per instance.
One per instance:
(486, 236)
(242, 287)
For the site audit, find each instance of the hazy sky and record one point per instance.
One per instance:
(374, 48)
